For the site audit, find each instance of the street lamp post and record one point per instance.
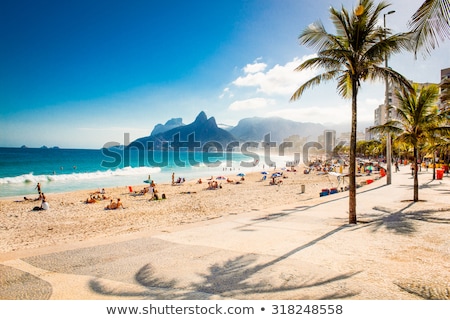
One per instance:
(386, 104)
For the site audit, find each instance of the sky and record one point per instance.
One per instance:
(81, 74)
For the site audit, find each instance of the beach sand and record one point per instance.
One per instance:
(398, 249)
(70, 218)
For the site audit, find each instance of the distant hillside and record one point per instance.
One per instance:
(170, 124)
(203, 129)
(254, 129)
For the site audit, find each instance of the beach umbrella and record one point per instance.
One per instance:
(148, 180)
(277, 174)
(221, 178)
(241, 174)
(264, 172)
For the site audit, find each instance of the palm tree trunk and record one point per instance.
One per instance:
(416, 177)
(434, 165)
(352, 165)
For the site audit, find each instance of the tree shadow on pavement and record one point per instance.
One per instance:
(331, 198)
(241, 277)
(401, 221)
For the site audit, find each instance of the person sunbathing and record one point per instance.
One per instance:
(142, 192)
(91, 200)
(112, 205)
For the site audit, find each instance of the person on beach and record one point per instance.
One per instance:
(112, 205)
(91, 200)
(151, 191)
(173, 178)
(45, 205)
(38, 187)
(119, 204)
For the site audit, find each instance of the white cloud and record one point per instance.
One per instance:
(269, 91)
(255, 67)
(226, 93)
(279, 80)
(249, 104)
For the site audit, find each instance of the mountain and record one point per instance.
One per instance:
(225, 126)
(202, 130)
(171, 124)
(254, 129)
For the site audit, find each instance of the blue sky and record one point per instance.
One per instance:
(79, 74)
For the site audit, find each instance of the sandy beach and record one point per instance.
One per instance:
(398, 250)
(70, 218)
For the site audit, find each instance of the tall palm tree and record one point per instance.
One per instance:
(419, 122)
(354, 54)
(430, 23)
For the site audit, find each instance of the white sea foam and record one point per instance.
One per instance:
(127, 171)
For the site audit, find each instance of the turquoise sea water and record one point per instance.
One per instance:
(61, 170)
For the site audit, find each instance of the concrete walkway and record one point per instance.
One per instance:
(306, 251)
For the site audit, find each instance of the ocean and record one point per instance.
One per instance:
(63, 170)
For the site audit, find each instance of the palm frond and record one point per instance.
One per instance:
(317, 38)
(392, 126)
(319, 62)
(344, 85)
(381, 73)
(430, 23)
(313, 82)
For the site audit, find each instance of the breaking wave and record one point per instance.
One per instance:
(122, 172)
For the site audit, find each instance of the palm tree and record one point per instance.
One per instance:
(429, 23)
(403, 149)
(419, 122)
(354, 54)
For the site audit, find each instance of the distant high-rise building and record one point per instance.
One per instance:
(330, 140)
(383, 113)
(445, 74)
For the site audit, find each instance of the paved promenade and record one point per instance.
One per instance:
(307, 251)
